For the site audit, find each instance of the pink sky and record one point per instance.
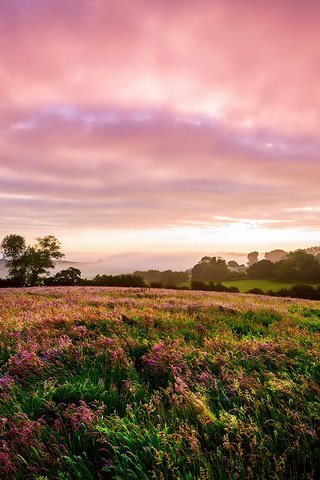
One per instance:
(157, 125)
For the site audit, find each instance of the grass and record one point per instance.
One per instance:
(264, 285)
(112, 384)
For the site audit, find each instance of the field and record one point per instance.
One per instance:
(264, 285)
(106, 383)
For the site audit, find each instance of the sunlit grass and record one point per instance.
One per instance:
(264, 285)
(110, 383)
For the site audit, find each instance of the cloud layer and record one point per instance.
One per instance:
(131, 116)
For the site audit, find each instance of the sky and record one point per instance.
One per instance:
(160, 125)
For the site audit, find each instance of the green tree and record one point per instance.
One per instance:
(40, 258)
(263, 269)
(298, 265)
(210, 269)
(26, 264)
(166, 277)
(13, 249)
(69, 276)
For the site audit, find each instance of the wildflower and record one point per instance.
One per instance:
(57, 425)
(6, 465)
(6, 384)
(117, 354)
(25, 363)
(82, 416)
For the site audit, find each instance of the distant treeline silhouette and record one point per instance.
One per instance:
(169, 278)
(30, 265)
(70, 278)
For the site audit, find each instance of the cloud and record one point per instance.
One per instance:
(157, 114)
(154, 171)
(246, 62)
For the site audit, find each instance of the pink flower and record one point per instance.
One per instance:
(6, 465)
(57, 425)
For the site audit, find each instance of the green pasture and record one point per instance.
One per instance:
(264, 285)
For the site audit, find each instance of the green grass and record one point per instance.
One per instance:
(119, 384)
(264, 285)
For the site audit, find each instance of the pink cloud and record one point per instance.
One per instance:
(252, 63)
(157, 113)
(157, 171)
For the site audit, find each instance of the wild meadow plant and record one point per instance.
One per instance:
(111, 383)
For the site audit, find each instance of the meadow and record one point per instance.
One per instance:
(264, 285)
(111, 383)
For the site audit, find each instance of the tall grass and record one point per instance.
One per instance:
(107, 383)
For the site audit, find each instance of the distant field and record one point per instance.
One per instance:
(264, 285)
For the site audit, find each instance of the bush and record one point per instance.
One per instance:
(256, 291)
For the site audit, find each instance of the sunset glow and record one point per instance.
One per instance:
(161, 126)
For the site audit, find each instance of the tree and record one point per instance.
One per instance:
(298, 265)
(40, 258)
(69, 276)
(13, 249)
(26, 264)
(252, 258)
(210, 269)
(275, 255)
(262, 269)
(233, 264)
(167, 277)
(314, 250)
(123, 280)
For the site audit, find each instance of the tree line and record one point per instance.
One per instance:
(295, 266)
(277, 265)
(30, 265)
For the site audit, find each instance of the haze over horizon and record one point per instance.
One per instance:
(160, 126)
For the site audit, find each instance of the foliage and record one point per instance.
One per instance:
(69, 276)
(298, 265)
(13, 248)
(125, 280)
(210, 269)
(212, 287)
(113, 383)
(253, 258)
(275, 255)
(262, 269)
(313, 250)
(256, 291)
(167, 277)
(233, 264)
(27, 264)
(298, 291)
